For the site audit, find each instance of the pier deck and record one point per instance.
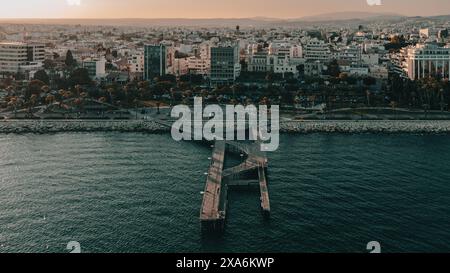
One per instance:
(265, 203)
(253, 169)
(212, 207)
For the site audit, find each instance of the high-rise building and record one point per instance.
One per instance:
(155, 61)
(427, 60)
(225, 66)
(21, 57)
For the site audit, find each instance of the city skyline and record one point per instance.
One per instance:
(283, 9)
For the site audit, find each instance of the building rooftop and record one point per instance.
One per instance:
(12, 43)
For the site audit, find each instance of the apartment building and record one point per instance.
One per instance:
(136, 63)
(21, 57)
(427, 60)
(317, 50)
(95, 67)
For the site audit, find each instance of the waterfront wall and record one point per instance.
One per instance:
(379, 126)
(148, 126)
(60, 126)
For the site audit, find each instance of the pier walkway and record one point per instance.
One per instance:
(211, 205)
(253, 170)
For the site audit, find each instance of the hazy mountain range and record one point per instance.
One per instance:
(226, 22)
(351, 15)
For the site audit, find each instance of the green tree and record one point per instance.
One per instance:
(80, 76)
(42, 76)
(49, 64)
(70, 61)
(368, 81)
(334, 69)
(34, 87)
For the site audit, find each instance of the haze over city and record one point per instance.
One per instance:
(211, 8)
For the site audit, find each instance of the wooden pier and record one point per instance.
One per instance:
(252, 171)
(213, 209)
(218, 181)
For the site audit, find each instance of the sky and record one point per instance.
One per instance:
(211, 8)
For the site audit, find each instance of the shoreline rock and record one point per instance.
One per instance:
(301, 127)
(51, 126)
(358, 127)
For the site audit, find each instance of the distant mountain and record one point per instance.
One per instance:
(158, 22)
(440, 17)
(330, 18)
(350, 15)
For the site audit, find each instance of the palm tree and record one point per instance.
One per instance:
(158, 104)
(296, 103)
(10, 90)
(442, 103)
(78, 90)
(136, 104)
(13, 101)
(368, 97)
(393, 105)
(45, 89)
(49, 99)
(61, 93)
(125, 90)
(67, 95)
(110, 92)
(31, 104)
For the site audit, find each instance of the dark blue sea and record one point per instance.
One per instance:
(131, 192)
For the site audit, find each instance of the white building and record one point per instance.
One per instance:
(200, 66)
(136, 63)
(350, 53)
(296, 52)
(379, 72)
(286, 65)
(313, 68)
(180, 66)
(21, 57)
(317, 50)
(358, 70)
(370, 59)
(427, 60)
(95, 67)
(278, 58)
(205, 52)
(260, 62)
(426, 33)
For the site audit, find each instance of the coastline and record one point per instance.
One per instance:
(62, 126)
(302, 127)
(367, 126)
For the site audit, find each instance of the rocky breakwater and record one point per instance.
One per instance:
(49, 126)
(353, 127)
(328, 126)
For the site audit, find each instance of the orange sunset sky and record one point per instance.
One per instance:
(209, 8)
